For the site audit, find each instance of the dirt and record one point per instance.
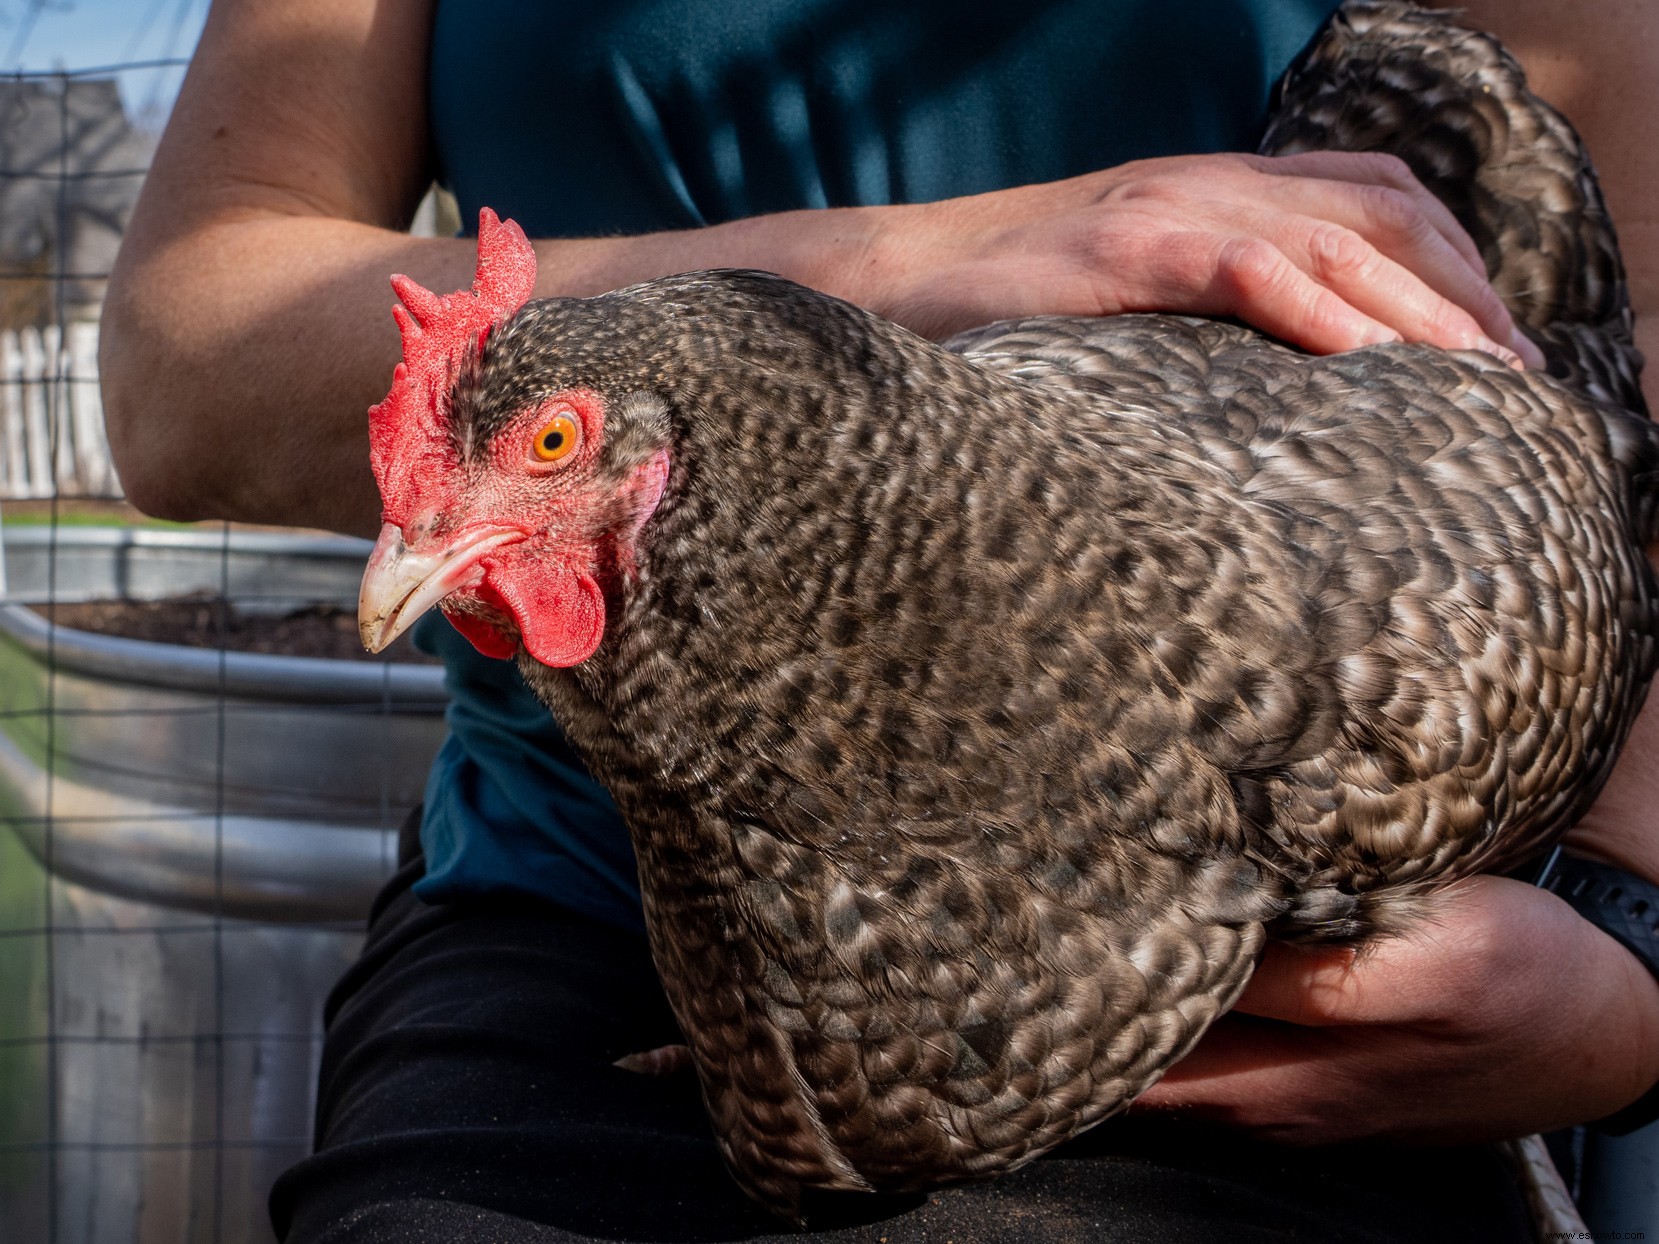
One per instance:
(205, 622)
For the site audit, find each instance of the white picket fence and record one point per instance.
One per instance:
(51, 416)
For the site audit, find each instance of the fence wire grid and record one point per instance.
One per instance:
(189, 833)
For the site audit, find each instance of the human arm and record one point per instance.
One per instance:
(246, 329)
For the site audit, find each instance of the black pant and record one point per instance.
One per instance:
(467, 1095)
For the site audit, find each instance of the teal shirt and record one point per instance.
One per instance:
(595, 117)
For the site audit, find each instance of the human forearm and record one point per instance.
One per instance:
(240, 356)
(1623, 826)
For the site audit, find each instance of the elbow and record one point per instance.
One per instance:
(149, 481)
(156, 402)
(146, 420)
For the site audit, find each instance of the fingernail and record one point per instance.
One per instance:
(1506, 355)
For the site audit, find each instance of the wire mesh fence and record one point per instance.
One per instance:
(189, 833)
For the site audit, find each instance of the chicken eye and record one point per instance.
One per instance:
(556, 440)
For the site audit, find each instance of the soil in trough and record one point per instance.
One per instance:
(205, 622)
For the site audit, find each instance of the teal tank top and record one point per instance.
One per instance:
(593, 117)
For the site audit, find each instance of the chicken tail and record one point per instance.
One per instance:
(1388, 76)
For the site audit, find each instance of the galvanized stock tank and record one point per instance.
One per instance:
(189, 841)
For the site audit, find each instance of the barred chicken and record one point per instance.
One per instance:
(979, 712)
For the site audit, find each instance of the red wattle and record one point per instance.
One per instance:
(560, 613)
(482, 635)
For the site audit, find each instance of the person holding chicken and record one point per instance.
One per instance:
(266, 233)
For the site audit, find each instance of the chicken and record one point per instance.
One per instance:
(979, 712)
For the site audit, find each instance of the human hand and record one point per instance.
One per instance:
(1327, 250)
(1503, 1014)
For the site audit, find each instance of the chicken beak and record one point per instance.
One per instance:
(401, 583)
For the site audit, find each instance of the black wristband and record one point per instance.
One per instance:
(1626, 908)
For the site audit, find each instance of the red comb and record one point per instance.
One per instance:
(407, 436)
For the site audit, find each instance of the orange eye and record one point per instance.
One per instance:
(557, 439)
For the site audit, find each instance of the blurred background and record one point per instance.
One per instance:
(200, 774)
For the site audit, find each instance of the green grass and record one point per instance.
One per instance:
(23, 999)
(23, 701)
(81, 514)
